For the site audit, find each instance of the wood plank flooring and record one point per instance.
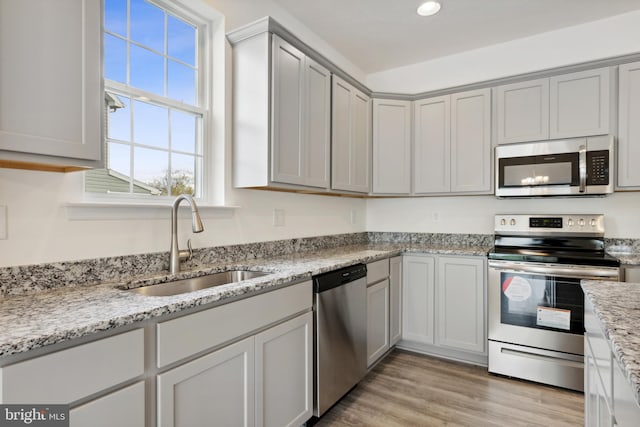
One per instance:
(408, 389)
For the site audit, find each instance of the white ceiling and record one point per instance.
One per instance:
(377, 35)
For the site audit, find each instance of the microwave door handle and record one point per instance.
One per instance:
(582, 159)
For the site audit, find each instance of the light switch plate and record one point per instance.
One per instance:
(3, 223)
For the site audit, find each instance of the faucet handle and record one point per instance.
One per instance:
(190, 249)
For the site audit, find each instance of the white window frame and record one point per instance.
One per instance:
(211, 73)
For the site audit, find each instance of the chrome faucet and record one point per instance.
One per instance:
(176, 255)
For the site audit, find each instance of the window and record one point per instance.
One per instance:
(155, 88)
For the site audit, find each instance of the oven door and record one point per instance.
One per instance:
(540, 305)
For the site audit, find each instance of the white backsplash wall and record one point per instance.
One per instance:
(474, 214)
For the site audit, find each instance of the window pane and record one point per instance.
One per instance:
(120, 120)
(150, 168)
(115, 16)
(182, 174)
(147, 24)
(181, 40)
(183, 131)
(181, 83)
(115, 59)
(150, 125)
(147, 70)
(119, 160)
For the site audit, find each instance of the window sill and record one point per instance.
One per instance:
(79, 211)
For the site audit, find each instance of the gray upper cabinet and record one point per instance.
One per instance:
(452, 143)
(563, 106)
(350, 138)
(432, 143)
(471, 142)
(391, 146)
(281, 125)
(52, 103)
(580, 103)
(629, 126)
(522, 111)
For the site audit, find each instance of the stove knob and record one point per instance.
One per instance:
(593, 222)
(581, 222)
(503, 222)
(570, 222)
(512, 222)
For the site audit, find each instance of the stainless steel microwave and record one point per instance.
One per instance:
(568, 167)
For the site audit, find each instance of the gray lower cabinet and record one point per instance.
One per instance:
(52, 104)
(629, 126)
(263, 380)
(70, 375)
(444, 306)
(609, 398)
(377, 310)
(452, 144)
(395, 300)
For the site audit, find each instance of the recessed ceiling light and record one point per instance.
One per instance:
(428, 8)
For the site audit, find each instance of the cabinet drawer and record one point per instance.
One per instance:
(188, 335)
(68, 375)
(124, 407)
(377, 271)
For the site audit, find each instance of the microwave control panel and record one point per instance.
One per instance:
(598, 167)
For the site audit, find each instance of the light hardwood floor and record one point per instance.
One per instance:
(408, 389)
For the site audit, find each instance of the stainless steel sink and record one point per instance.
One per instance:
(197, 283)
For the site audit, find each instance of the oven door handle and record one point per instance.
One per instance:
(565, 271)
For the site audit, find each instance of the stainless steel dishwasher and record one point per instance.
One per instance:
(340, 334)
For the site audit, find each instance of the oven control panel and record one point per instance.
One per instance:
(520, 224)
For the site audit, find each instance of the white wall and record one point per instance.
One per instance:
(606, 38)
(41, 230)
(474, 214)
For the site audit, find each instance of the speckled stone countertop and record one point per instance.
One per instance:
(617, 306)
(34, 320)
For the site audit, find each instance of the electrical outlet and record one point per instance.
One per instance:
(435, 216)
(278, 217)
(4, 220)
(354, 217)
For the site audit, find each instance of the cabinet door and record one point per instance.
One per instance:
(591, 388)
(460, 292)
(361, 143)
(580, 103)
(629, 126)
(284, 373)
(216, 389)
(471, 141)
(395, 300)
(341, 111)
(377, 321)
(523, 111)
(51, 107)
(391, 146)
(418, 298)
(124, 407)
(287, 120)
(350, 138)
(625, 404)
(432, 139)
(317, 104)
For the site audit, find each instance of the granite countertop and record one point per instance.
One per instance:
(617, 306)
(42, 318)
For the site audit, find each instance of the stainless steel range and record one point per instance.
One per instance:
(536, 305)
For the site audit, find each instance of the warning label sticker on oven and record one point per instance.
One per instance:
(554, 318)
(516, 288)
